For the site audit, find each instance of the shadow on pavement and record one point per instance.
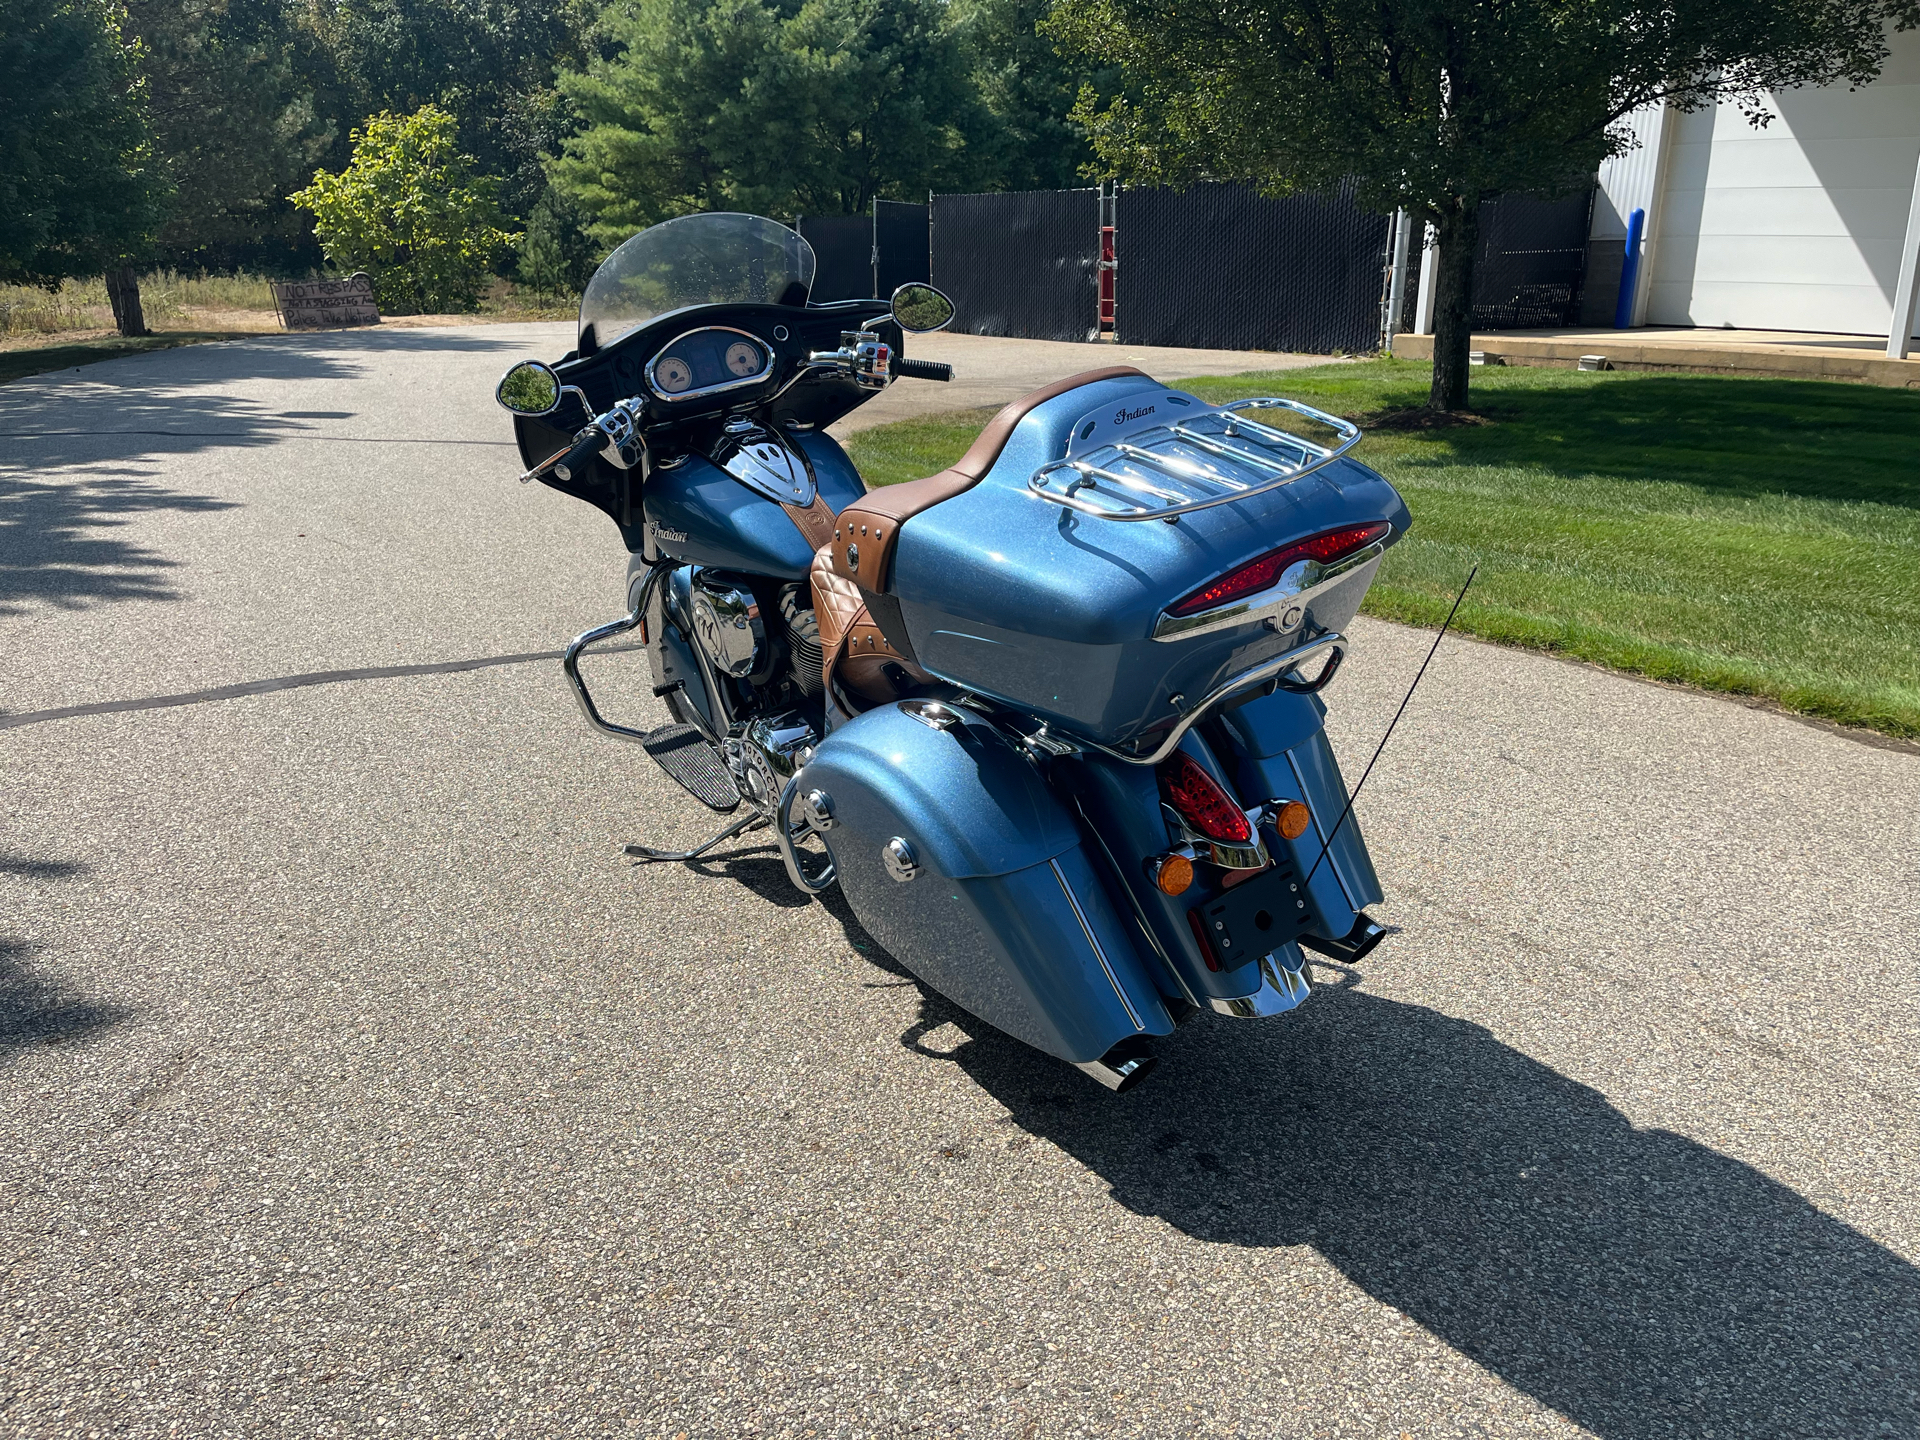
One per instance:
(57, 544)
(1634, 1280)
(35, 1009)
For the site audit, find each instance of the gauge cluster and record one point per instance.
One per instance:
(708, 361)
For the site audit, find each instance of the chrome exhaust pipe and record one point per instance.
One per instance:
(1366, 933)
(1122, 1067)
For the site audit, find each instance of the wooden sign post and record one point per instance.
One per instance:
(320, 304)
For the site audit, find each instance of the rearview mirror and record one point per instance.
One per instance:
(529, 388)
(920, 309)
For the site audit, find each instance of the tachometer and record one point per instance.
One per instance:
(673, 375)
(743, 358)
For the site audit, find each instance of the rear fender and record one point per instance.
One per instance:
(1284, 754)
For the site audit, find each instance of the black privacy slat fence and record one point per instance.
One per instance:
(1222, 267)
(900, 246)
(843, 255)
(1022, 264)
(1532, 262)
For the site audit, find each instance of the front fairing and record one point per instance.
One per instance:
(798, 403)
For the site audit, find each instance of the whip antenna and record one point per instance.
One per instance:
(1390, 724)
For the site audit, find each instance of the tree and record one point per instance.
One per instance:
(233, 126)
(776, 108)
(78, 193)
(410, 210)
(1436, 105)
(1030, 89)
(489, 63)
(557, 257)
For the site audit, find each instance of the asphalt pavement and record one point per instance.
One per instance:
(352, 1081)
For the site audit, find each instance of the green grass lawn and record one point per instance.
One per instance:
(1760, 537)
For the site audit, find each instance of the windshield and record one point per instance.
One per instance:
(714, 259)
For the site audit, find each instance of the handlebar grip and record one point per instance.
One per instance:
(923, 370)
(586, 445)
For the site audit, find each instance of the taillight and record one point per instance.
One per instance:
(1198, 799)
(1260, 574)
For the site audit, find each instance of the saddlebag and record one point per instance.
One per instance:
(959, 861)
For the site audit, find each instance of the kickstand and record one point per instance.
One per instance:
(658, 857)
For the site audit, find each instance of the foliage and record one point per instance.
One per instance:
(1029, 88)
(1436, 105)
(1751, 536)
(490, 65)
(777, 109)
(409, 210)
(556, 255)
(78, 191)
(233, 124)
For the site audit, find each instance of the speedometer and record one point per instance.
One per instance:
(672, 374)
(743, 358)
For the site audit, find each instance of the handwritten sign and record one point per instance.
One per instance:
(318, 304)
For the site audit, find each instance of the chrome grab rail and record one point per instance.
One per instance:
(1272, 669)
(1179, 485)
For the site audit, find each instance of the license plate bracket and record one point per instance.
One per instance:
(1257, 916)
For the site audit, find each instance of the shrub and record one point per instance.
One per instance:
(410, 211)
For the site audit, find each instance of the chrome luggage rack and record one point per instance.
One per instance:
(1164, 471)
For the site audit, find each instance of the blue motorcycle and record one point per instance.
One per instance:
(1050, 718)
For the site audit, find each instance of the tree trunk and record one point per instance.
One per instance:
(1458, 235)
(123, 291)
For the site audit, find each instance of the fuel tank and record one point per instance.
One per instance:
(1066, 615)
(957, 857)
(698, 513)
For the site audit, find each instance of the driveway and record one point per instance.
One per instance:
(352, 1080)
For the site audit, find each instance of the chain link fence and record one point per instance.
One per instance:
(902, 250)
(1532, 262)
(843, 255)
(1020, 264)
(1222, 267)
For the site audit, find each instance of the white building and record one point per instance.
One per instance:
(1812, 223)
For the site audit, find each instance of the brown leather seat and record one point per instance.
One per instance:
(860, 667)
(864, 537)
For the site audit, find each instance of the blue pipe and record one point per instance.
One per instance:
(1629, 272)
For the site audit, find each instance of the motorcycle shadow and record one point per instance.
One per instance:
(1636, 1281)
(759, 869)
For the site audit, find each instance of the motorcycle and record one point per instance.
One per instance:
(1050, 718)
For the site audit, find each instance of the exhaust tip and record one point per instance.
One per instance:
(1122, 1067)
(1357, 944)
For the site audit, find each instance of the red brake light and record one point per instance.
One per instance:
(1257, 575)
(1200, 801)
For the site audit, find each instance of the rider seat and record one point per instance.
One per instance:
(850, 574)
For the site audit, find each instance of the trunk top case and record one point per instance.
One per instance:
(1008, 594)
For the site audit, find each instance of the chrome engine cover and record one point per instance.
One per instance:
(728, 626)
(773, 749)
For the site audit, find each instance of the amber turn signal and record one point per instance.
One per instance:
(1292, 819)
(1172, 873)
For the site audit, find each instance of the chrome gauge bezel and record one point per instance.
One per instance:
(700, 392)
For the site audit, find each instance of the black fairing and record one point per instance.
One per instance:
(618, 372)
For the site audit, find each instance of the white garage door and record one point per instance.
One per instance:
(1797, 226)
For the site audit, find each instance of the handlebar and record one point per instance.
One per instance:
(588, 443)
(922, 370)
